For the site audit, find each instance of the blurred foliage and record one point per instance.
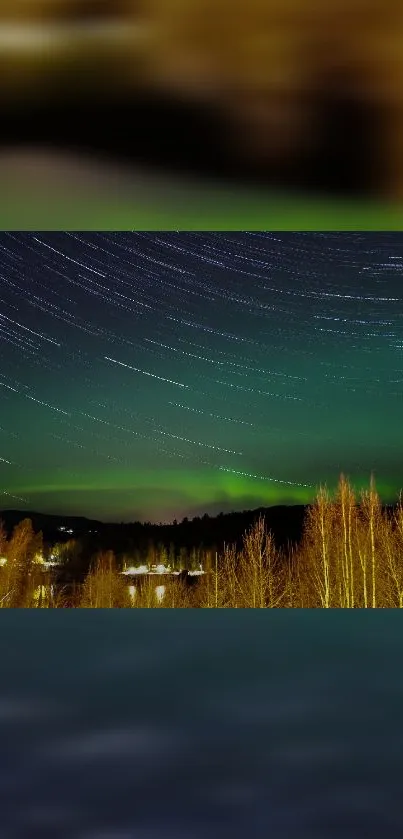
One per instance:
(299, 86)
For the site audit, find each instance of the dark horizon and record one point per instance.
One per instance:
(29, 513)
(390, 503)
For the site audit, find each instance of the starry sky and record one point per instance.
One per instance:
(152, 376)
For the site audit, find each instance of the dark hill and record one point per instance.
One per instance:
(285, 522)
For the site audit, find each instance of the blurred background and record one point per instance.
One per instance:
(203, 106)
(281, 723)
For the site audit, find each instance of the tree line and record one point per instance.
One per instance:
(350, 556)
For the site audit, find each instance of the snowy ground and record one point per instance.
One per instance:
(156, 569)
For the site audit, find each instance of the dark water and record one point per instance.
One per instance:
(164, 724)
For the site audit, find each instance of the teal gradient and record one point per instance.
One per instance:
(153, 376)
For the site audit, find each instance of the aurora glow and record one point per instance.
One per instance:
(156, 375)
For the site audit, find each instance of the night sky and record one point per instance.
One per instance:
(147, 376)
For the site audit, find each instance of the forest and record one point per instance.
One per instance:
(350, 555)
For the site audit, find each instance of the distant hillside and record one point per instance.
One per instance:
(48, 522)
(285, 522)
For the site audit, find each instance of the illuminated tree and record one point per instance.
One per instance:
(3, 539)
(104, 587)
(22, 549)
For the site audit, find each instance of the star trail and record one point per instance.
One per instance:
(151, 376)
